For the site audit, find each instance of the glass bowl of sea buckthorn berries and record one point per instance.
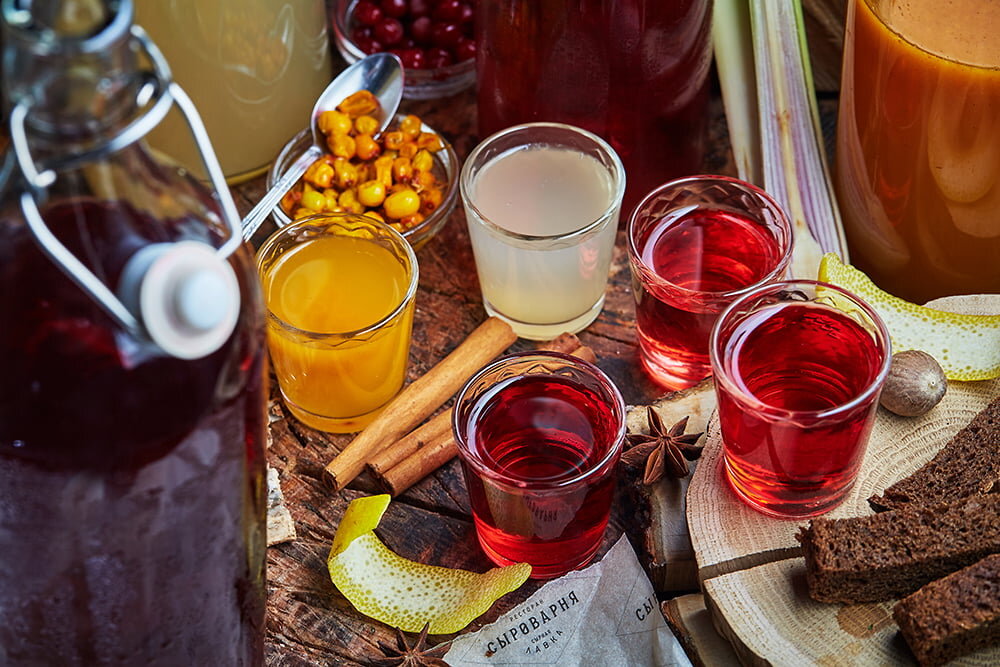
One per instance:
(433, 39)
(406, 176)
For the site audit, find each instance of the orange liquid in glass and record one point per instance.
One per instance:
(918, 145)
(326, 288)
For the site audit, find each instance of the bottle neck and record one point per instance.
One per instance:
(71, 62)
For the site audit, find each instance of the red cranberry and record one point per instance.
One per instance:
(368, 44)
(367, 13)
(420, 30)
(446, 35)
(467, 14)
(420, 8)
(395, 8)
(438, 57)
(389, 31)
(449, 11)
(412, 58)
(466, 49)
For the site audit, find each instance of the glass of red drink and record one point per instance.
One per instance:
(798, 369)
(695, 245)
(539, 436)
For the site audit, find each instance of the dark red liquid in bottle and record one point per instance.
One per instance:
(131, 484)
(535, 434)
(634, 72)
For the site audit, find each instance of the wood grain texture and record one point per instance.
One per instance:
(766, 613)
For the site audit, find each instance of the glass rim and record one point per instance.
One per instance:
(741, 395)
(617, 171)
(880, 15)
(333, 218)
(509, 482)
(636, 257)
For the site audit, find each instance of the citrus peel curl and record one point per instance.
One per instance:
(404, 593)
(966, 346)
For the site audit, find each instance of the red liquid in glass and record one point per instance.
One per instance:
(536, 433)
(804, 358)
(634, 72)
(697, 257)
(131, 486)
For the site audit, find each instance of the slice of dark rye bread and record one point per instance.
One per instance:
(969, 464)
(888, 555)
(953, 616)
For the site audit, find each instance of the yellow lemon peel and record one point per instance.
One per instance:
(404, 593)
(966, 346)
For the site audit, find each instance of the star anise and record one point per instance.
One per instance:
(665, 452)
(418, 655)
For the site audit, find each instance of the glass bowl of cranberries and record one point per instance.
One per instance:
(433, 38)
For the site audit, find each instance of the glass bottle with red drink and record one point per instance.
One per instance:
(634, 72)
(132, 484)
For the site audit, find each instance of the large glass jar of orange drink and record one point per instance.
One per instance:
(918, 145)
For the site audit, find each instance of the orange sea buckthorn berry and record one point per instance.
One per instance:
(319, 174)
(393, 140)
(371, 193)
(290, 200)
(365, 125)
(430, 141)
(383, 170)
(411, 126)
(401, 204)
(342, 145)
(408, 150)
(374, 214)
(346, 173)
(423, 160)
(331, 197)
(366, 147)
(360, 103)
(430, 199)
(423, 180)
(402, 170)
(313, 200)
(411, 220)
(334, 122)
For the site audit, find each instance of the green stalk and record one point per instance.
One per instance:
(790, 146)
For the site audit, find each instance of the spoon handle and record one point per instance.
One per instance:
(264, 207)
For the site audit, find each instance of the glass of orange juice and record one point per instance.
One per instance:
(339, 291)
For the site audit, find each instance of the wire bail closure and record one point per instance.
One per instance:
(160, 91)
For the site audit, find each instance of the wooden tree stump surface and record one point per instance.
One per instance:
(750, 565)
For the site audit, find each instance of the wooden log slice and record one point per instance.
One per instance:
(748, 563)
(767, 615)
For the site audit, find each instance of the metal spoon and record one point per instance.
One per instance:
(382, 74)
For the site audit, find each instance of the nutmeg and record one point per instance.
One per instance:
(915, 384)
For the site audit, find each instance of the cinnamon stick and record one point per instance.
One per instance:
(420, 398)
(430, 446)
(410, 444)
(411, 470)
